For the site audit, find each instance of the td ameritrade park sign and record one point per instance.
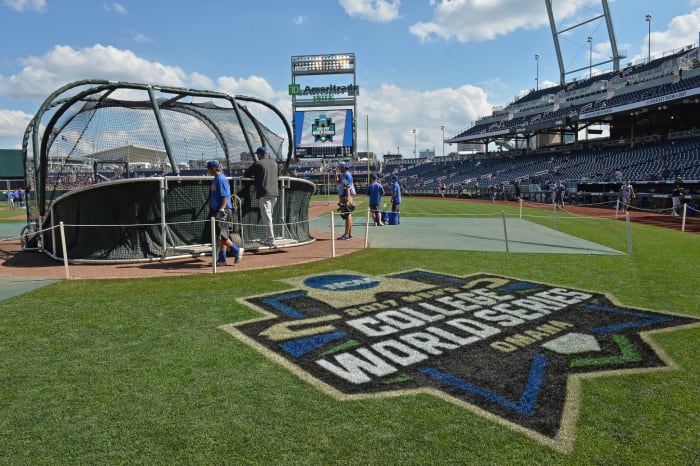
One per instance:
(511, 350)
(324, 93)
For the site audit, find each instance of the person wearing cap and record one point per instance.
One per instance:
(346, 190)
(395, 195)
(221, 208)
(264, 171)
(677, 194)
(375, 191)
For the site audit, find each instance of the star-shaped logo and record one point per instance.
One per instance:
(512, 350)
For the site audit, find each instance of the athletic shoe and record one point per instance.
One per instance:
(237, 258)
(342, 238)
(221, 262)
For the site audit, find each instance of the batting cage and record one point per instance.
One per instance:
(115, 172)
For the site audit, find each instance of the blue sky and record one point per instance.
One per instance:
(421, 64)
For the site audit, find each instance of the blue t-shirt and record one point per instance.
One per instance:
(396, 189)
(375, 191)
(220, 189)
(344, 180)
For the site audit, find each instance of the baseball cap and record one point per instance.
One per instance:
(395, 177)
(343, 165)
(213, 164)
(373, 176)
(261, 150)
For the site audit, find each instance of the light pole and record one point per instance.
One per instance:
(537, 76)
(397, 150)
(649, 44)
(590, 57)
(442, 127)
(414, 143)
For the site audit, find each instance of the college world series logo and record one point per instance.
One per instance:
(512, 350)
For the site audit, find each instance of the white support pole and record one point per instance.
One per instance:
(63, 248)
(617, 208)
(683, 206)
(521, 207)
(555, 216)
(332, 234)
(214, 246)
(369, 213)
(505, 231)
(629, 233)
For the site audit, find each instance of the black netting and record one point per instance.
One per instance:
(123, 221)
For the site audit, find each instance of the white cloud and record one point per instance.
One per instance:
(26, 5)
(299, 20)
(394, 111)
(681, 31)
(13, 123)
(119, 8)
(378, 11)
(141, 38)
(42, 75)
(475, 20)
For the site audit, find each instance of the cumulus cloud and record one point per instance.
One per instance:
(26, 5)
(63, 64)
(391, 107)
(299, 20)
(13, 123)
(476, 20)
(399, 111)
(378, 11)
(681, 31)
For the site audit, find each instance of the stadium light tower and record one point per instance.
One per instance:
(537, 76)
(590, 57)
(414, 143)
(442, 127)
(649, 39)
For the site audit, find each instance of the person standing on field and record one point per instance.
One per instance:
(346, 189)
(395, 196)
(265, 173)
(375, 191)
(627, 194)
(221, 208)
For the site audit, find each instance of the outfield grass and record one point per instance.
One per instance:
(137, 370)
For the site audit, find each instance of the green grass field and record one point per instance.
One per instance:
(138, 372)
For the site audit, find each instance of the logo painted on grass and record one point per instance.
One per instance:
(509, 349)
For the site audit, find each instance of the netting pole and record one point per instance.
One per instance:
(555, 216)
(63, 247)
(617, 208)
(505, 231)
(629, 234)
(332, 234)
(163, 225)
(683, 206)
(212, 221)
(521, 207)
(369, 213)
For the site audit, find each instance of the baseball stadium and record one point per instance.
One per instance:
(520, 306)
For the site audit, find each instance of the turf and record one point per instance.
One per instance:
(137, 371)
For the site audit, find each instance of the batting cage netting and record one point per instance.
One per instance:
(120, 168)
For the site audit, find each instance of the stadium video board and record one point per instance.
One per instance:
(323, 133)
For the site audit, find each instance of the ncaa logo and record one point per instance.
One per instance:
(341, 282)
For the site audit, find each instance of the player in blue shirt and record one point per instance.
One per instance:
(395, 196)
(221, 207)
(375, 191)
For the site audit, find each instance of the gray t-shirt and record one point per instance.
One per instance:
(265, 173)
